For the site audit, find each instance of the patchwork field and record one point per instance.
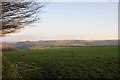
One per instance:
(66, 62)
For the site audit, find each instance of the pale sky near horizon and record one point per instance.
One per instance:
(72, 21)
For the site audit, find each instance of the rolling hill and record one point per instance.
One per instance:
(7, 47)
(59, 43)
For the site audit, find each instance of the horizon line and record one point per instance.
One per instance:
(61, 40)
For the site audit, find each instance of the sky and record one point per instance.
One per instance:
(72, 21)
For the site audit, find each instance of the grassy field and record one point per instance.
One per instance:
(71, 62)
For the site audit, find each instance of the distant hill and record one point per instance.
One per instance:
(8, 47)
(58, 43)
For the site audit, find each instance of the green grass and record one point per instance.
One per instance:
(71, 62)
(9, 70)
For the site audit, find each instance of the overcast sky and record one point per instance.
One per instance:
(72, 21)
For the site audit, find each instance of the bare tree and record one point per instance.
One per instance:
(16, 15)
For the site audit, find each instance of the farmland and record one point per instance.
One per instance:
(66, 62)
